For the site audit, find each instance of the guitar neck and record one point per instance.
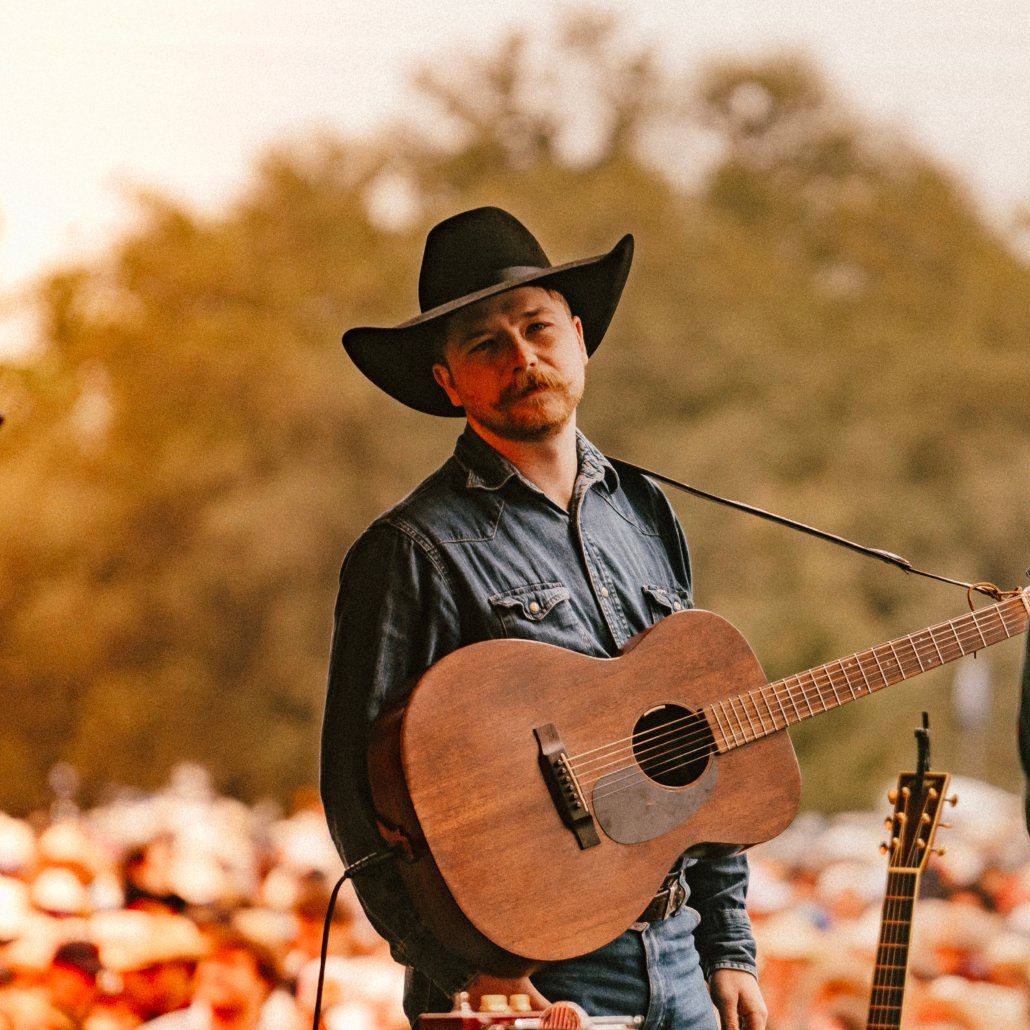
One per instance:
(747, 717)
(891, 969)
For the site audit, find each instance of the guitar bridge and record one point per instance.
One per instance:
(564, 787)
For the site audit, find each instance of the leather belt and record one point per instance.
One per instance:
(667, 902)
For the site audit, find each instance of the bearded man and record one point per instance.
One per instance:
(526, 531)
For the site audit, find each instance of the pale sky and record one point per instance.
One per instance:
(182, 94)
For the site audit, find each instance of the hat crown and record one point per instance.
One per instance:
(473, 251)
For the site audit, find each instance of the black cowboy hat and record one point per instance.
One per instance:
(468, 258)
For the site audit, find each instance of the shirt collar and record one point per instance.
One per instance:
(489, 470)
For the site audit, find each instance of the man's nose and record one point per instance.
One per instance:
(523, 353)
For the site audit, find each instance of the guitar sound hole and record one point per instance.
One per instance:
(672, 745)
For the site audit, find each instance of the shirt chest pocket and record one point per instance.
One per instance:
(664, 600)
(539, 611)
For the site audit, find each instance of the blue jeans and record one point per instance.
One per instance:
(654, 973)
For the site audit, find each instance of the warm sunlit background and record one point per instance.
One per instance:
(829, 316)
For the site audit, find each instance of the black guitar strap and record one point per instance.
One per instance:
(870, 552)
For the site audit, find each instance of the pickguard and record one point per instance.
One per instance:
(631, 808)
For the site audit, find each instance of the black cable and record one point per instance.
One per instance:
(359, 866)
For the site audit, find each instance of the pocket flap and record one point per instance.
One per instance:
(533, 601)
(668, 599)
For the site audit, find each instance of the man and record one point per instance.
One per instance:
(72, 980)
(233, 983)
(527, 531)
(155, 955)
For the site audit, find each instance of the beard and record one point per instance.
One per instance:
(536, 406)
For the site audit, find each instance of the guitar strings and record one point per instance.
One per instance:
(685, 750)
(677, 757)
(888, 974)
(782, 688)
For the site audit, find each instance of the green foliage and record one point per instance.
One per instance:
(825, 326)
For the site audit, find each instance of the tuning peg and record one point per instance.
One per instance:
(939, 851)
(883, 847)
(925, 818)
(944, 826)
(888, 823)
(953, 800)
(892, 796)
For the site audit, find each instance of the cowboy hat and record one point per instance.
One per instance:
(468, 258)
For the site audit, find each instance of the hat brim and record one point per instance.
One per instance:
(399, 360)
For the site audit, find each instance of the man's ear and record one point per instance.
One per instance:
(442, 374)
(578, 323)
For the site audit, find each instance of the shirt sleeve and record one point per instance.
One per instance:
(395, 616)
(718, 888)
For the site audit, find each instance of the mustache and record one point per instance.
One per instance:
(530, 380)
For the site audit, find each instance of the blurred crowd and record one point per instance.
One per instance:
(183, 910)
(187, 910)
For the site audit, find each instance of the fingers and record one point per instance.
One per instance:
(755, 1018)
(739, 1000)
(486, 984)
(537, 1000)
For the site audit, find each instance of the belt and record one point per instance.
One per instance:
(667, 902)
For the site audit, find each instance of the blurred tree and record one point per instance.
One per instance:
(819, 321)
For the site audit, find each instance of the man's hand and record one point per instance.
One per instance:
(738, 999)
(486, 984)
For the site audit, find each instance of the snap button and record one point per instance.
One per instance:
(534, 607)
(605, 592)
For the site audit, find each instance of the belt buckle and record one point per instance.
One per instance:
(674, 896)
(677, 895)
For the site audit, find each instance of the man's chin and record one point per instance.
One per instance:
(529, 427)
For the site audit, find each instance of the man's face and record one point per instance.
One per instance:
(229, 982)
(160, 987)
(516, 363)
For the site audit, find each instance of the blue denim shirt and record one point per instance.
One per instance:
(478, 552)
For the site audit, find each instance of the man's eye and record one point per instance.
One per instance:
(483, 345)
(535, 326)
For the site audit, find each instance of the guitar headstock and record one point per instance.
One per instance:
(918, 802)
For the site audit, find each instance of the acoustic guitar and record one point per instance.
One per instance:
(917, 801)
(539, 796)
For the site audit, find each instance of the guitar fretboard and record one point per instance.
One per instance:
(891, 968)
(756, 713)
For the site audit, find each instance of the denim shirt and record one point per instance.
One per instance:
(478, 552)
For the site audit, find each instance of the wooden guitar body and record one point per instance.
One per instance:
(494, 870)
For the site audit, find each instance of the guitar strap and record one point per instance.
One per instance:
(870, 552)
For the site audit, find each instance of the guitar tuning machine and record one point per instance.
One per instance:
(892, 796)
(953, 800)
(939, 850)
